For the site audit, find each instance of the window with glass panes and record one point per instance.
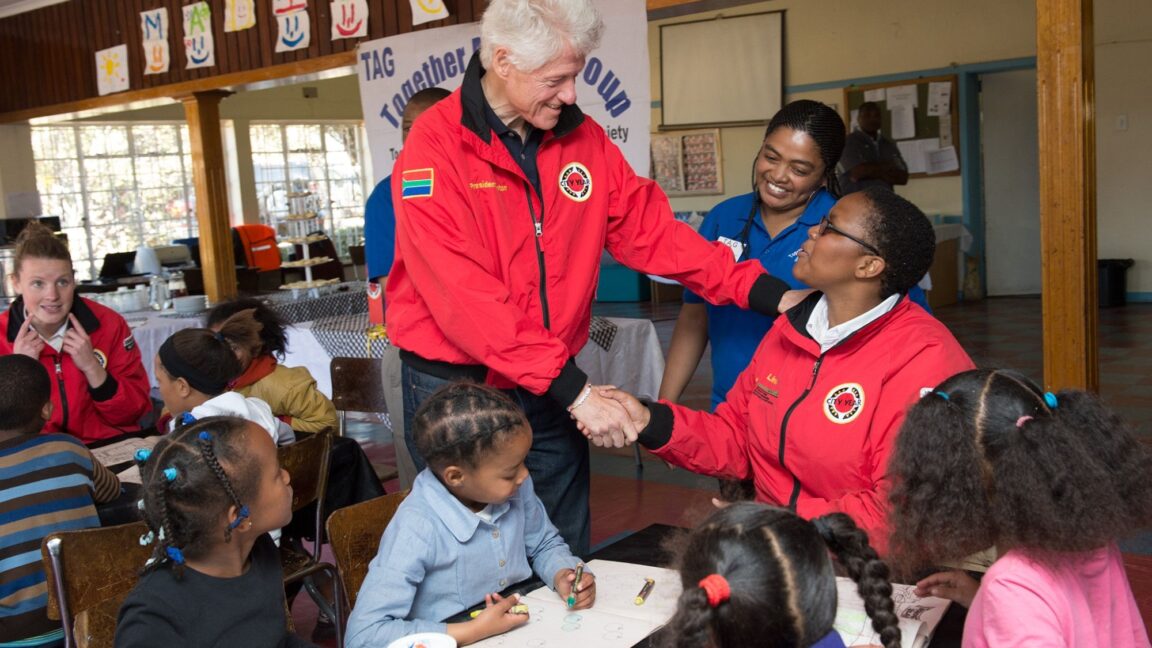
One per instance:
(326, 159)
(115, 187)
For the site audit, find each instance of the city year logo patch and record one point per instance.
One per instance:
(576, 182)
(844, 403)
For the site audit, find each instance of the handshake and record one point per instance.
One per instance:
(609, 417)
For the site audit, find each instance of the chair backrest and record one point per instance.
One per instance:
(356, 253)
(306, 461)
(90, 572)
(357, 384)
(354, 532)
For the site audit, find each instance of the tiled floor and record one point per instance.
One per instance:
(1001, 332)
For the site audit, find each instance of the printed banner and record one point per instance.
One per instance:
(112, 70)
(427, 10)
(239, 15)
(613, 87)
(294, 24)
(199, 47)
(154, 28)
(349, 19)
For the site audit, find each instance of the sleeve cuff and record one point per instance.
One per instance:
(567, 386)
(106, 390)
(766, 293)
(659, 429)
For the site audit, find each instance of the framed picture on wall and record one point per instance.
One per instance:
(688, 163)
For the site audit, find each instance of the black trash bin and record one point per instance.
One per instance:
(1112, 277)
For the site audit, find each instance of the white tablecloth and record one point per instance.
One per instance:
(634, 362)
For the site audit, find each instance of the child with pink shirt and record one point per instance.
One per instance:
(1051, 480)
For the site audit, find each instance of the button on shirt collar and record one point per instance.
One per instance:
(828, 337)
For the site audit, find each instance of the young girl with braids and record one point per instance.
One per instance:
(756, 575)
(212, 492)
(1051, 480)
(194, 368)
(469, 528)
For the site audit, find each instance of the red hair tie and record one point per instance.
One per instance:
(716, 587)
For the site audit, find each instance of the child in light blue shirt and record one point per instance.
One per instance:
(471, 527)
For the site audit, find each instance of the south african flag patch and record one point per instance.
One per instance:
(416, 183)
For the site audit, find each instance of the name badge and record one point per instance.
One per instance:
(736, 246)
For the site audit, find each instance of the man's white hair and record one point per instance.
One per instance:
(537, 31)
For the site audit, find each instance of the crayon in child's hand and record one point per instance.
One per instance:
(644, 591)
(519, 608)
(575, 584)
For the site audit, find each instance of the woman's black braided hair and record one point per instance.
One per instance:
(462, 421)
(191, 478)
(823, 124)
(782, 589)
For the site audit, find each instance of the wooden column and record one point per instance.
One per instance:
(1066, 99)
(202, 111)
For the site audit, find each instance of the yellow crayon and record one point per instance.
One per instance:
(644, 591)
(515, 609)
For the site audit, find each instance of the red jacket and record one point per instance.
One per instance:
(91, 414)
(488, 272)
(814, 431)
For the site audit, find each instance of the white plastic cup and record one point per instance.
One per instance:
(424, 640)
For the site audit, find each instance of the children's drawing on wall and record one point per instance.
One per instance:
(294, 24)
(199, 46)
(349, 19)
(154, 32)
(112, 69)
(239, 15)
(427, 10)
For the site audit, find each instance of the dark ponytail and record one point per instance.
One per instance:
(823, 124)
(205, 358)
(859, 559)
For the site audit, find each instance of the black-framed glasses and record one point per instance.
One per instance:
(826, 226)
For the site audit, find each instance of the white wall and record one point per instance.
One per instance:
(17, 166)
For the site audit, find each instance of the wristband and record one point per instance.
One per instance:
(583, 397)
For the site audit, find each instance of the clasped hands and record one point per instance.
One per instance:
(610, 417)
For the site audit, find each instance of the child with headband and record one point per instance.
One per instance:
(212, 492)
(194, 371)
(472, 526)
(757, 575)
(1051, 480)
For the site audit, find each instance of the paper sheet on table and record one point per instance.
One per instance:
(903, 122)
(915, 153)
(123, 451)
(939, 98)
(614, 621)
(904, 95)
(943, 160)
(876, 94)
(918, 616)
(130, 475)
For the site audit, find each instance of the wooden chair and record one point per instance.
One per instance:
(307, 464)
(91, 572)
(357, 255)
(357, 386)
(354, 532)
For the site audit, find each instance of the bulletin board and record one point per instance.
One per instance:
(689, 162)
(933, 149)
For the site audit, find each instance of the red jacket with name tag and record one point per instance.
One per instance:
(90, 414)
(815, 431)
(489, 272)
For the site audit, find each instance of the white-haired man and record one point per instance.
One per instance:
(507, 195)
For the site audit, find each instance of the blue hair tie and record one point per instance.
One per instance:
(220, 336)
(147, 538)
(187, 419)
(142, 454)
(943, 395)
(1050, 399)
(175, 554)
(205, 436)
(170, 474)
(240, 517)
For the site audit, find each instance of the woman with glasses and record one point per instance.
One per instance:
(813, 418)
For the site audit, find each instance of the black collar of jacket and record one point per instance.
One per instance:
(80, 309)
(472, 103)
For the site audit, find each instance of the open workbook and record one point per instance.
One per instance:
(918, 616)
(614, 621)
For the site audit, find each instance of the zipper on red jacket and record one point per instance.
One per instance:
(784, 432)
(538, 224)
(63, 394)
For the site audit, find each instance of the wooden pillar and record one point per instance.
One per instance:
(1066, 101)
(202, 111)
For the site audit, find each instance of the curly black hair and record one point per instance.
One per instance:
(190, 480)
(823, 124)
(24, 389)
(273, 333)
(781, 582)
(989, 459)
(903, 235)
(462, 421)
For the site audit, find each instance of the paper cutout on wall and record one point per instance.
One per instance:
(199, 47)
(239, 15)
(427, 10)
(284, 7)
(154, 28)
(294, 23)
(349, 19)
(112, 69)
